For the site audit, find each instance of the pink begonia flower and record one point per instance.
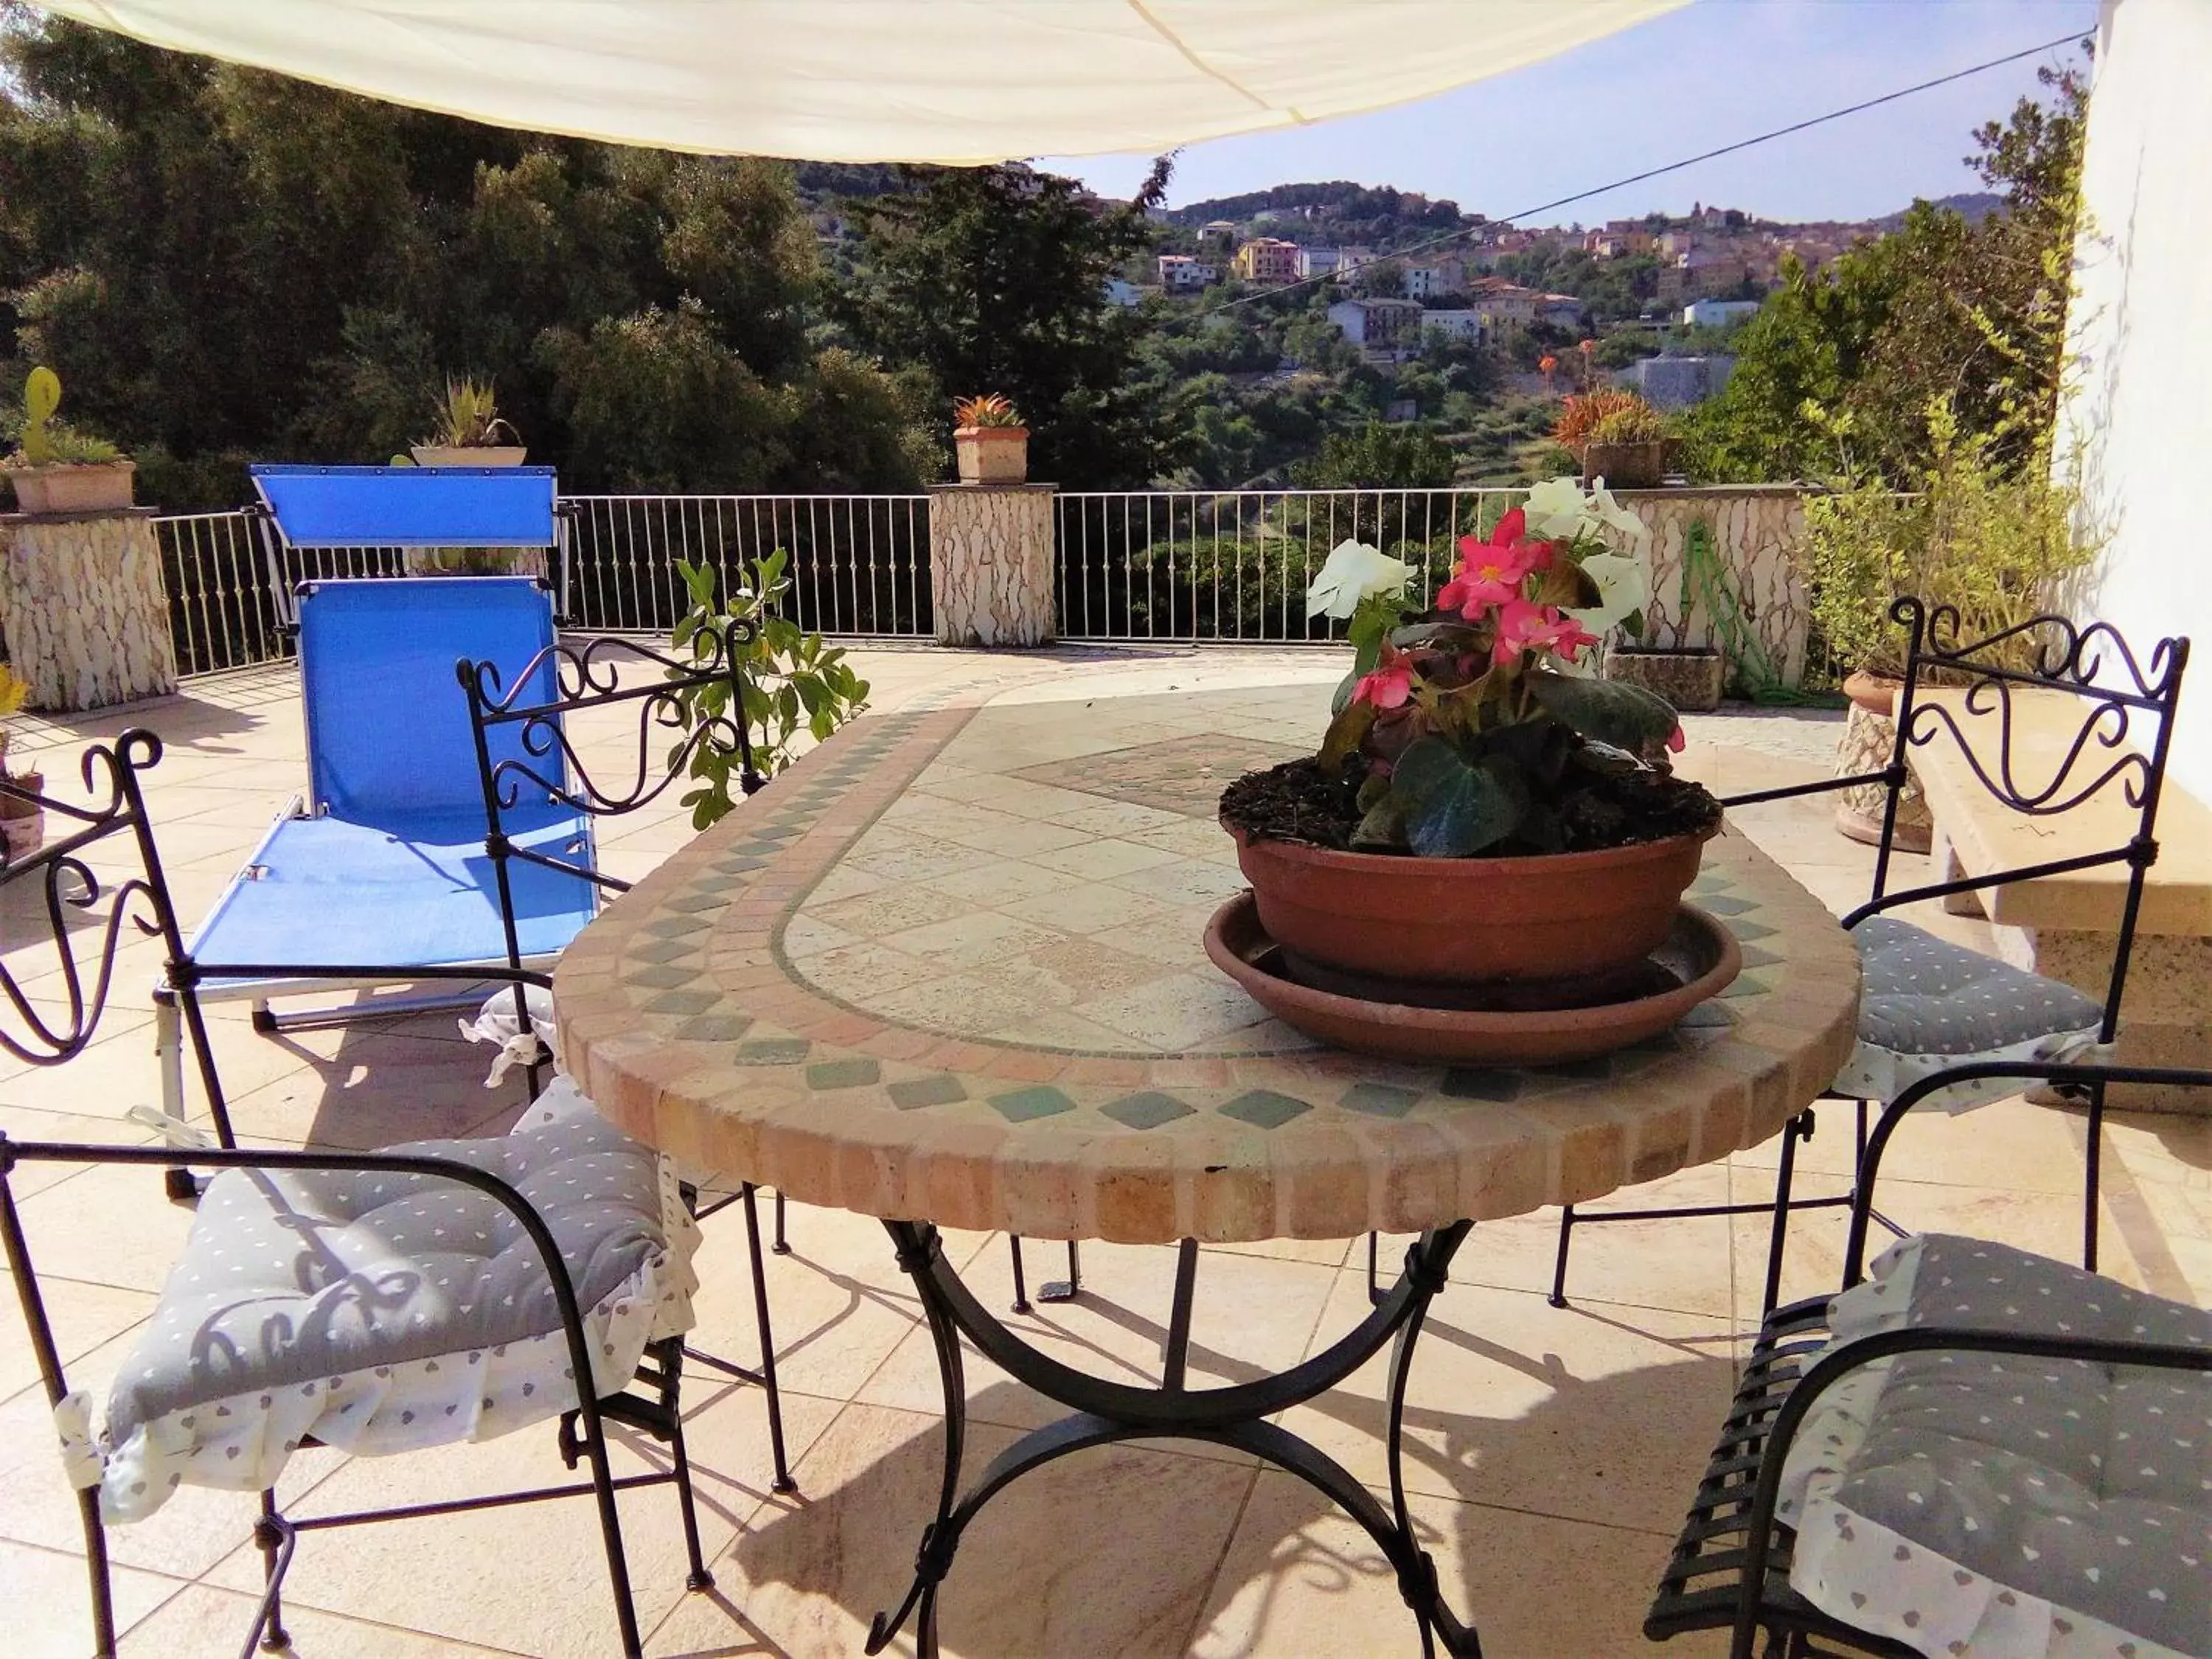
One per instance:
(1676, 742)
(1491, 573)
(1390, 685)
(1525, 627)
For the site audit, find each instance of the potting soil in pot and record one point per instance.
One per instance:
(1599, 806)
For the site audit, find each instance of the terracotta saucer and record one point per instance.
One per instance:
(1698, 961)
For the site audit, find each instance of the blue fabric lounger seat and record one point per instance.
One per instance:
(327, 892)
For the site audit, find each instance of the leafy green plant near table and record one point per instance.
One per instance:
(1990, 541)
(795, 683)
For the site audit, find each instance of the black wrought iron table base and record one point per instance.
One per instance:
(1235, 1416)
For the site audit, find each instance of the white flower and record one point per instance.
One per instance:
(1555, 510)
(1623, 587)
(1352, 572)
(1610, 513)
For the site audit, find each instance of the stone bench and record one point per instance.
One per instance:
(2066, 927)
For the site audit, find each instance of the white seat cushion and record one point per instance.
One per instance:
(1979, 1503)
(380, 1313)
(1928, 1005)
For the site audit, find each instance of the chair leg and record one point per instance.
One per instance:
(95, 1563)
(1559, 1297)
(1021, 1284)
(782, 1243)
(783, 1481)
(275, 1540)
(2093, 1169)
(1798, 1128)
(671, 1396)
(603, 1487)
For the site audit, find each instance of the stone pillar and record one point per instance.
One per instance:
(1756, 530)
(84, 608)
(991, 564)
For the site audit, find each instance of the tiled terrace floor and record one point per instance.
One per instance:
(1549, 1452)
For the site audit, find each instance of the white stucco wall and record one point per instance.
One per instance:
(2138, 418)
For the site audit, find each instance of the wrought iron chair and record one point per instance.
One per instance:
(329, 1249)
(539, 771)
(588, 675)
(1914, 981)
(1916, 1516)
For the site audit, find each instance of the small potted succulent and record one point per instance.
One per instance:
(470, 432)
(1629, 448)
(990, 442)
(1477, 811)
(57, 470)
(22, 820)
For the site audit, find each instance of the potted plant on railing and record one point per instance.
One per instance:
(1476, 812)
(22, 822)
(1629, 448)
(1580, 414)
(55, 469)
(990, 440)
(1989, 542)
(470, 431)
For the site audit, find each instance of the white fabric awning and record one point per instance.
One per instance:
(962, 82)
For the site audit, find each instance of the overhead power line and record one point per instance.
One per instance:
(1451, 236)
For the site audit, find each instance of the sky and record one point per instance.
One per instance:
(1686, 81)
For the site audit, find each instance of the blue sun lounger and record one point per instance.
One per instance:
(379, 870)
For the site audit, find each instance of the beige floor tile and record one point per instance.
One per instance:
(203, 1620)
(183, 1538)
(1302, 1577)
(1105, 860)
(84, 1318)
(51, 1587)
(1110, 1551)
(1250, 1317)
(1590, 1413)
(839, 1303)
(1681, 1265)
(432, 1575)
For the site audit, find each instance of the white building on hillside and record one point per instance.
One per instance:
(1378, 325)
(1453, 324)
(1718, 314)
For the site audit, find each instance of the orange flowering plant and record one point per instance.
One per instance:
(1472, 719)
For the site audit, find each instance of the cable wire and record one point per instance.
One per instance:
(1461, 234)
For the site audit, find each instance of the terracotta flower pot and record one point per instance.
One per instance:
(993, 454)
(1466, 919)
(77, 487)
(1627, 466)
(466, 455)
(1868, 740)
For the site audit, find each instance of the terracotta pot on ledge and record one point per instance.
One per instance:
(1465, 921)
(1868, 740)
(73, 487)
(991, 455)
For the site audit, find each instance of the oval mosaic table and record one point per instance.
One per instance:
(947, 971)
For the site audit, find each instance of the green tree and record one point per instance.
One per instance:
(228, 266)
(1379, 457)
(993, 279)
(1969, 314)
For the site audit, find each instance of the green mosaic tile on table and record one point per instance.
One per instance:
(1023, 1105)
(913, 1093)
(1147, 1110)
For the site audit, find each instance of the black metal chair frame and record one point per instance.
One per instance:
(589, 676)
(69, 885)
(2068, 658)
(1730, 1567)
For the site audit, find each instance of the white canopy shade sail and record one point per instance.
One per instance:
(960, 81)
